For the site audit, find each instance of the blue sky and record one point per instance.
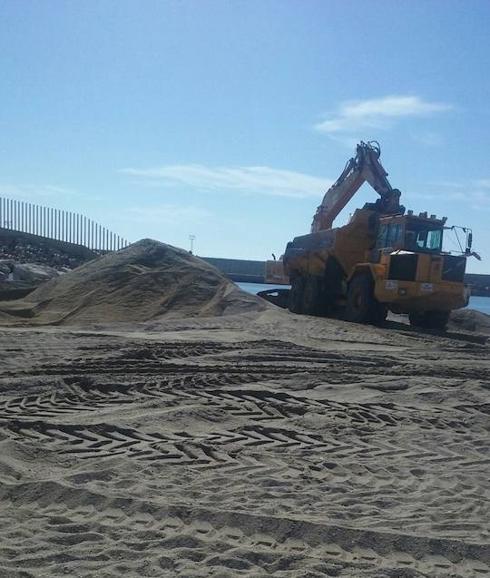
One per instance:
(229, 119)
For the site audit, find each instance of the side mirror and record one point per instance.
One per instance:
(470, 240)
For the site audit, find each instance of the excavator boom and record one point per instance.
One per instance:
(364, 167)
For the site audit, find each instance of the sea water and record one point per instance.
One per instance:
(479, 303)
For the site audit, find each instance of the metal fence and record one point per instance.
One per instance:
(57, 224)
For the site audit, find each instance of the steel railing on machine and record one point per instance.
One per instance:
(57, 224)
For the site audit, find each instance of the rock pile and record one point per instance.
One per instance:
(41, 251)
(20, 279)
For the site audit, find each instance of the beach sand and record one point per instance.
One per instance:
(257, 444)
(157, 421)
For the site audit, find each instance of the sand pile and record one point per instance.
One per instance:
(470, 320)
(144, 281)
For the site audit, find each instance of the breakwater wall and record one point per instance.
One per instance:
(480, 284)
(240, 270)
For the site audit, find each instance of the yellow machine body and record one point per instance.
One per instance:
(382, 259)
(404, 280)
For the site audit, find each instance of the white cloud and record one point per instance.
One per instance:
(474, 194)
(35, 193)
(168, 214)
(483, 183)
(256, 179)
(378, 113)
(428, 139)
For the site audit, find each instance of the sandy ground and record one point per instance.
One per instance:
(250, 445)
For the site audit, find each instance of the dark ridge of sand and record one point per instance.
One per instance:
(144, 281)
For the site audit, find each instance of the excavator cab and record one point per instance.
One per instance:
(423, 236)
(418, 234)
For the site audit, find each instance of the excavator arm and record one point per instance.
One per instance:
(364, 167)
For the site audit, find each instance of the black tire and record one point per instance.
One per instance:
(312, 296)
(296, 295)
(430, 319)
(439, 319)
(379, 313)
(332, 287)
(362, 306)
(417, 319)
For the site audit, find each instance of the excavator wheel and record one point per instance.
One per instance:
(379, 313)
(430, 319)
(362, 306)
(332, 287)
(312, 296)
(296, 295)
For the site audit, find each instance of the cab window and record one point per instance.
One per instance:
(434, 240)
(422, 238)
(389, 235)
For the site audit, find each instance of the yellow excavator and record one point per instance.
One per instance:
(384, 259)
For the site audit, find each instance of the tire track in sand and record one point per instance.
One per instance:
(182, 539)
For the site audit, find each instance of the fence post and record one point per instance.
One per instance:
(57, 224)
